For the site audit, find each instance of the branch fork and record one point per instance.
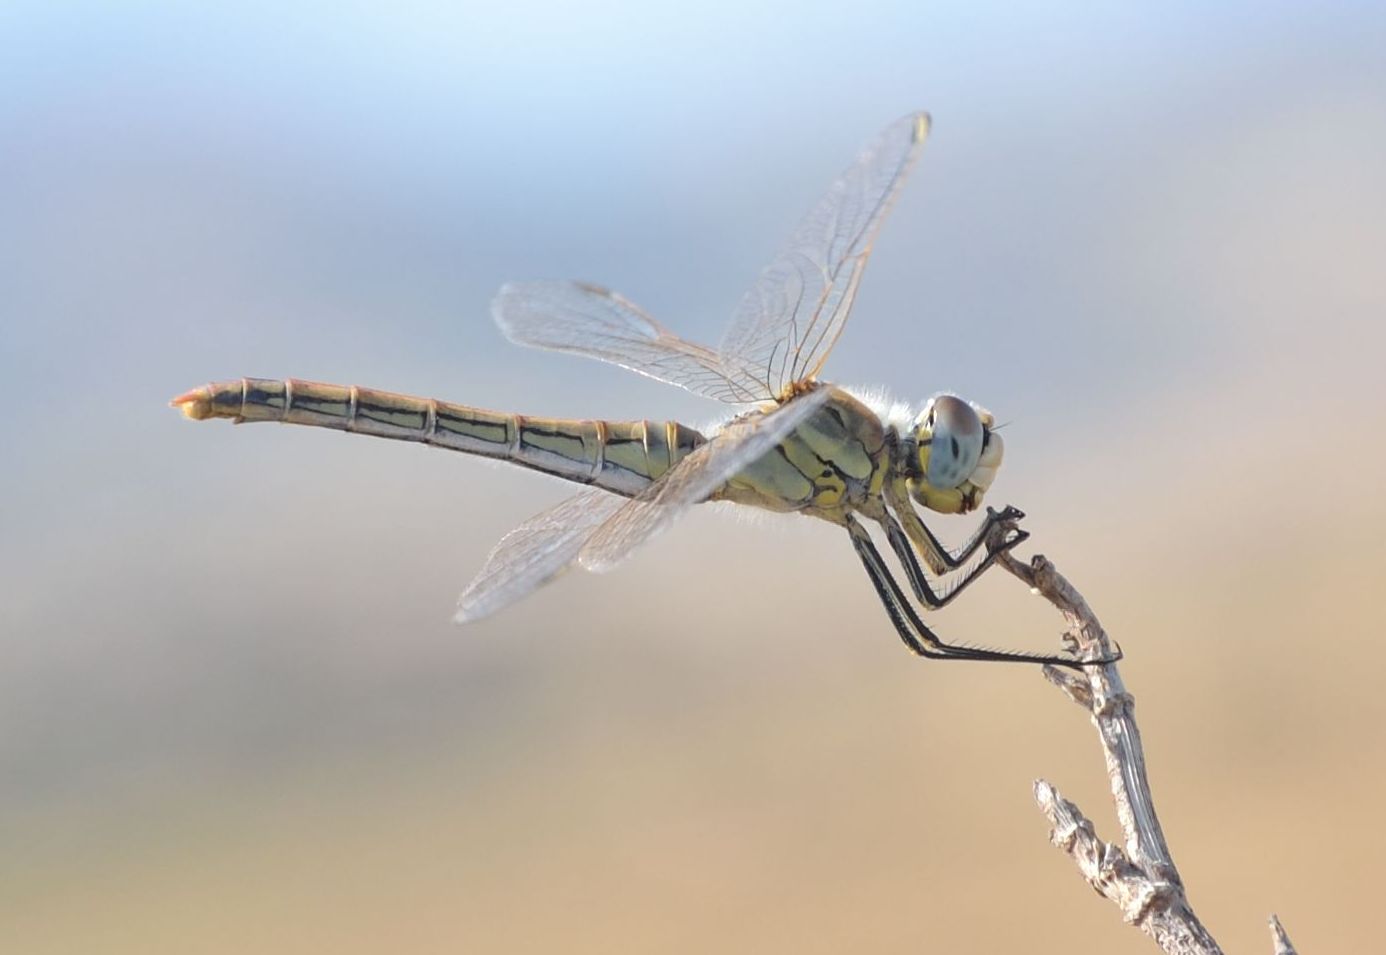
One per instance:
(1138, 876)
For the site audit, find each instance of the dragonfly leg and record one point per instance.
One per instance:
(940, 559)
(919, 582)
(918, 637)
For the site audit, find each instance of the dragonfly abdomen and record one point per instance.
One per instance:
(621, 456)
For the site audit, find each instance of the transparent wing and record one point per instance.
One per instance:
(536, 552)
(693, 479)
(792, 316)
(590, 320)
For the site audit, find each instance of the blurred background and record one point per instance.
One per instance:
(234, 715)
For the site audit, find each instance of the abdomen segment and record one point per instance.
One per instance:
(621, 456)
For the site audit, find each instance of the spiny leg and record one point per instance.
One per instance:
(918, 637)
(940, 559)
(919, 581)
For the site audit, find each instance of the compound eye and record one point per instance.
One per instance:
(957, 442)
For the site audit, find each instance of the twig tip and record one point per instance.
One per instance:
(1279, 938)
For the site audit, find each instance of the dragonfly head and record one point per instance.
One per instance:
(958, 453)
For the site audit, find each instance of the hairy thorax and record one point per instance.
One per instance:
(831, 463)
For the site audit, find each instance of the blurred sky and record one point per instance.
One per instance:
(233, 712)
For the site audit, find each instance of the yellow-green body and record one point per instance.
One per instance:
(836, 460)
(842, 459)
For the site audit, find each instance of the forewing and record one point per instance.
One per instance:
(590, 320)
(693, 479)
(791, 318)
(536, 552)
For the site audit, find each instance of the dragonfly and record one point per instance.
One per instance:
(797, 445)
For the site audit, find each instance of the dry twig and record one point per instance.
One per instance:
(1282, 941)
(1140, 878)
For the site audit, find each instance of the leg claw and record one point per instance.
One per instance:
(1007, 513)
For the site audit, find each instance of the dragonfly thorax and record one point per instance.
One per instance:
(956, 453)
